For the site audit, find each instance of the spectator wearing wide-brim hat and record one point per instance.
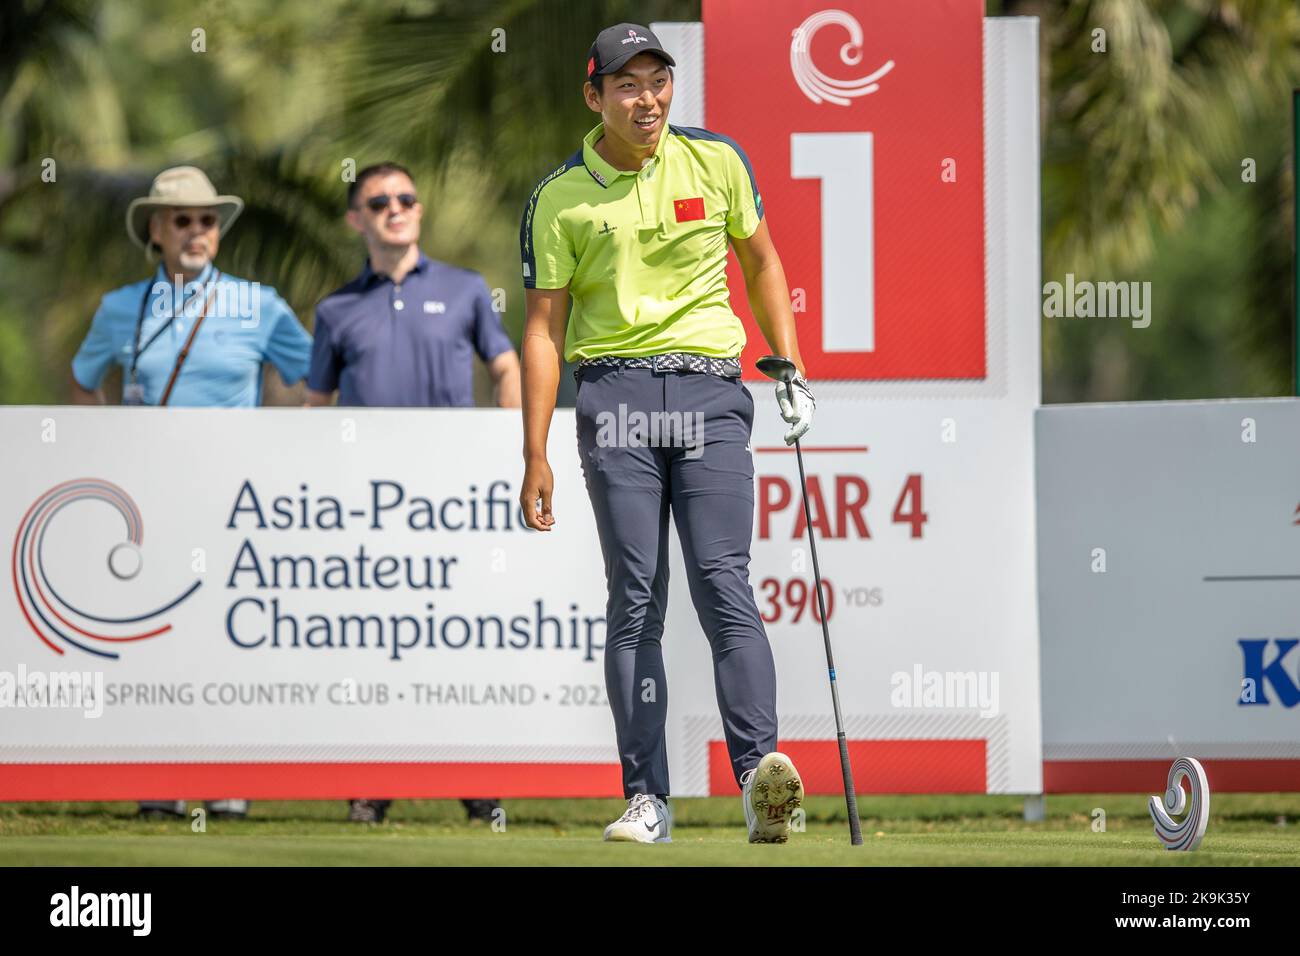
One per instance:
(179, 187)
(190, 334)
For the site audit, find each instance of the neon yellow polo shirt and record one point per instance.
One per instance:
(644, 254)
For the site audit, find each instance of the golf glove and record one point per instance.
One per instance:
(799, 411)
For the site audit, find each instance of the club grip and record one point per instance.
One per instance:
(850, 796)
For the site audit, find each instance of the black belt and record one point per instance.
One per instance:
(669, 362)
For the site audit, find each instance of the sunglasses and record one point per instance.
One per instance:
(380, 203)
(182, 220)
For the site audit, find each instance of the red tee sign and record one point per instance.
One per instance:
(863, 120)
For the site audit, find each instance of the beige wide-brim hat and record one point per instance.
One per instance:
(179, 186)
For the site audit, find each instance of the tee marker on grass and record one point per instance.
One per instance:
(1185, 834)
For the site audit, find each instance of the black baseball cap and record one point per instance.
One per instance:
(616, 45)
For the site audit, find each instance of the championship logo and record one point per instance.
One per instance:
(51, 617)
(816, 85)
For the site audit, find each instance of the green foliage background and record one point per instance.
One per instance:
(1143, 148)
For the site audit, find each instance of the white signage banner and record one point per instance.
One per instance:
(289, 587)
(1169, 573)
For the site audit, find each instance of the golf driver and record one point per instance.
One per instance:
(783, 370)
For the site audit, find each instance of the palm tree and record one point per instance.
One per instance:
(1135, 140)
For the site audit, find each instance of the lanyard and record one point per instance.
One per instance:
(137, 351)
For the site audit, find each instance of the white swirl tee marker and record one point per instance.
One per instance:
(1187, 833)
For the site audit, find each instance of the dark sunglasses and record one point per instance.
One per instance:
(182, 220)
(380, 203)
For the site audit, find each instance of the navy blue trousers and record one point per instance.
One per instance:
(656, 443)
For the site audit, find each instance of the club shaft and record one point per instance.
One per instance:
(850, 793)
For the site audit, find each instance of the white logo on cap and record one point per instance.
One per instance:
(816, 85)
(634, 37)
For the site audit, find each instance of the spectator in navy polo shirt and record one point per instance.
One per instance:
(405, 332)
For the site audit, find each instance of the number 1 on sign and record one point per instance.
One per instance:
(843, 163)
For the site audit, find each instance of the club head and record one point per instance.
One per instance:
(777, 367)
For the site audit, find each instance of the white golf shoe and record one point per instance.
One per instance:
(771, 793)
(646, 820)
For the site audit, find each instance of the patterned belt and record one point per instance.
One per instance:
(669, 362)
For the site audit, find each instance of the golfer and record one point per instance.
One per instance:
(634, 229)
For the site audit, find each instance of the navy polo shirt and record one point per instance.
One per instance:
(408, 343)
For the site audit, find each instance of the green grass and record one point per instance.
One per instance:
(1244, 830)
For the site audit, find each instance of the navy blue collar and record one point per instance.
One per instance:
(369, 276)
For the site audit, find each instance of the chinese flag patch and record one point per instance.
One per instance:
(687, 209)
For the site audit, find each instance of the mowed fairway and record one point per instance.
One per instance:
(1244, 830)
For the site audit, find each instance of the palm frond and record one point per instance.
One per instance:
(429, 89)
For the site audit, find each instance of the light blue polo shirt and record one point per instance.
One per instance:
(246, 324)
